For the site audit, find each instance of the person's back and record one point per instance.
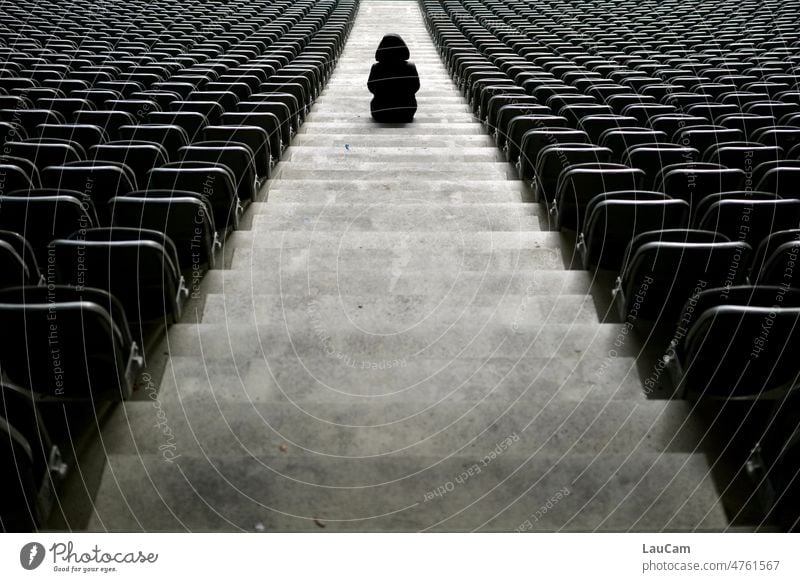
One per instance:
(393, 81)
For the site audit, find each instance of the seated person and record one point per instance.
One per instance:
(393, 81)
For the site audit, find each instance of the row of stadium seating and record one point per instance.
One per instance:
(133, 136)
(666, 137)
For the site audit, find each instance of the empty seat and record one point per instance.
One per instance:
(578, 184)
(239, 159)
(692, 182)
(77, 343)
(85, 135)
(737, 343)
(213, 181)
(653, 158)
(191, 122)
(254, 138)
(663, 269)
(109, 121)
(15, 177)
(45, 152)
(99, 180)
(554, 159)
(776, 259)
(138, 267)
(32, 459)
(22, 268)
(750, 220)
(613, 219)
(535, 140)
(140, 157)
(40, 219)
(267, 122)
(170, 137)
(185, 217)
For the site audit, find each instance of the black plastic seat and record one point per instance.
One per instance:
(99, 180)
(31, 457)
(692, 182)
(239, 159)
(578, 184)
(139, 267)
(750, 220)
(613, 219)
(725, 352)
(77, 343)
(663, 269)
(24, 261)
(185, 217)
(170, 137)
(776, 258)
(140, 157)
(653, 158)
(267, 122)
(192, 123)
(86, 135)
(254, 138)
(109, 121)
(552, 160)
(535, 140)
(521, 125)
(42, 218)
(45, 152)
(16, 177)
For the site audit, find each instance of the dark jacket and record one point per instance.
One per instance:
(393, 81)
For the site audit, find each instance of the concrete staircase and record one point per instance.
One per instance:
(396, 345)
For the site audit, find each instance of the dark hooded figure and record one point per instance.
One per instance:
(393, 81)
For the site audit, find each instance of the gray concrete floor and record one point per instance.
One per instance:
(395, 344)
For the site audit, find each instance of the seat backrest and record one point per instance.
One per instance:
(41, 219)
(751, 220)
(254, 138)
(191, 122)
(85, 135)
(140, 157)
(727, 353)
(139, 272)
(554, 159)
(43, 153)
(578, 184)
(109, 121)
(16, 178)
(238, 158)
(614, 219)
(675, 271)
(85, 329)
(185, 217)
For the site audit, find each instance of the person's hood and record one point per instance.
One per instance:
(392, 50)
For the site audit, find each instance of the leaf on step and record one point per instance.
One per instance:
(319, 522)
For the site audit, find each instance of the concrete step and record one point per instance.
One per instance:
(392, 315)
(420, 155)
(358, 169)
(275, 340)
(464, 128)
(304, 379)
(205, 420)
(400, 262)
(646, 492)
(421, 117)
(464, 284)
(391, 140)
(402, 217)
(314, 242)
